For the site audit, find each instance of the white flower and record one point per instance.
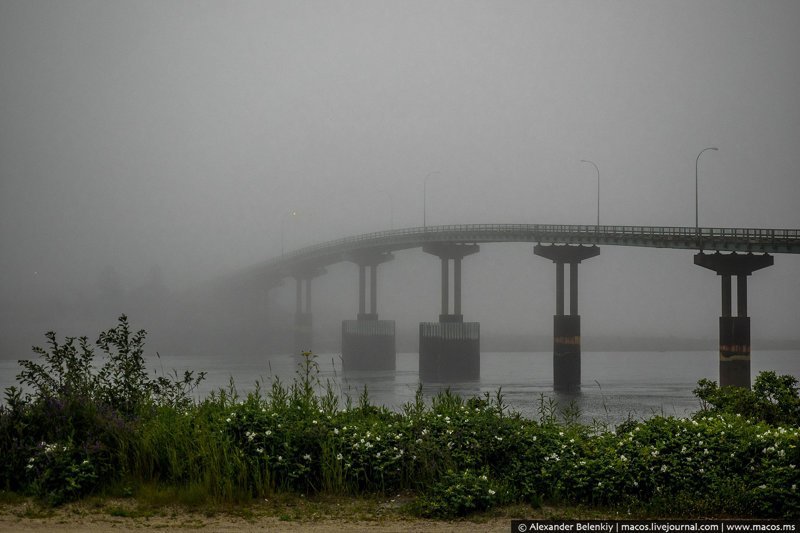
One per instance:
(623, 458)
(338, 457)
(762, 486)
(260, 450)
(498, 438)
(280, 458)
(313, 421)
(307, 457)
(491, 492)
(268, 432)
(663, 468)
(484, 478)
(335, 431)
(702, 470)
(227, 420)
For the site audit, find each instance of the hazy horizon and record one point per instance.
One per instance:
(150, 147)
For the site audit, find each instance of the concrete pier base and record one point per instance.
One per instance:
(302, 333)
(566, 328)
(449, 351)
(734, 351)
(734, 331)
(368, 345)
(566, 353)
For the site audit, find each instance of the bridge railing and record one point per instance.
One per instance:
(488, 232)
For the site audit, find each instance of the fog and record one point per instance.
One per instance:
(152, 149)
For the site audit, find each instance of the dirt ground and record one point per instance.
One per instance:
(128, 516)
(231, 524)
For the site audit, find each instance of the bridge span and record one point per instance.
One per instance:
(450, 348)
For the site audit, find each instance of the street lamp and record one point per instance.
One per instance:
(283, 225)
(696, 203)
(425, 198)
(598, 187)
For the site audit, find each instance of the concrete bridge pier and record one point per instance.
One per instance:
(566, 328)
(302, 315)
(368, 343)
(449, 350)
(734, 331)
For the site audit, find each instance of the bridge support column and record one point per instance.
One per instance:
(566, 328)
(302, 316)
(734, 331)
(368, 343)
(449, 350)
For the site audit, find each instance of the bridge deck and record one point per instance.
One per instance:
(754, 240)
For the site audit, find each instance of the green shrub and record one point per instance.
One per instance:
(459, 494)
(69, 435)
(774, 399)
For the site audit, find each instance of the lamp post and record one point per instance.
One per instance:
(425, 198)
(696, 195)
(598, 187)
(283, 226)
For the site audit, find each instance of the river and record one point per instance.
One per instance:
(615, 385)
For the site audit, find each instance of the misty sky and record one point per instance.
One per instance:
(179, 134)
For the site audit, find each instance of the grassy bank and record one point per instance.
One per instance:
(90, 428)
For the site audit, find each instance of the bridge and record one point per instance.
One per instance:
(450, 348)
